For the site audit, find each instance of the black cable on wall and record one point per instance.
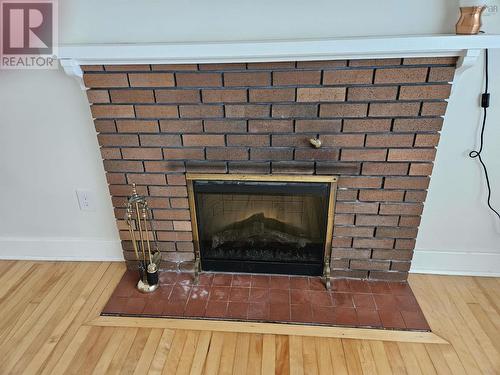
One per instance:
(476, 154)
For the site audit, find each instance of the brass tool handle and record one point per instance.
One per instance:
(144, 216)
(141, 237)
(132, 233)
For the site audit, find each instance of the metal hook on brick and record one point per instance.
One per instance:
(315, 142)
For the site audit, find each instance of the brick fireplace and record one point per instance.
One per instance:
(378, 122)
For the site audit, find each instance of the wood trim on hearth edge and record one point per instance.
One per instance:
(269, 328)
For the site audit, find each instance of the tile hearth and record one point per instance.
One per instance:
(275, 298)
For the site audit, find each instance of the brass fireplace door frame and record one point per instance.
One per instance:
(332, 180)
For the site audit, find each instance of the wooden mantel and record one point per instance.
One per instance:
(468, 47)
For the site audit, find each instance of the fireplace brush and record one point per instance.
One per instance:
(139, 221)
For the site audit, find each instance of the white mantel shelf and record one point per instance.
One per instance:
(468, 47)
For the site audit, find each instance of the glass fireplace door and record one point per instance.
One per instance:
(262, 226)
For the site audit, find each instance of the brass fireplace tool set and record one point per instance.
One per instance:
(141, 231)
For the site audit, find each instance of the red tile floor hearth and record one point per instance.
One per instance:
(277, 299)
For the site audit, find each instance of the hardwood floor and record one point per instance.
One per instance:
(46, 307)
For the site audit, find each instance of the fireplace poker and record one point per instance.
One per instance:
(152, 270)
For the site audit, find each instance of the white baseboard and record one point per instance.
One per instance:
(66, 249)
(456, 263)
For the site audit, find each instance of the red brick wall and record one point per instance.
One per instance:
(379, 121)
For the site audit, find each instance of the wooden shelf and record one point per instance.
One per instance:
(278, 50)
(468, 47)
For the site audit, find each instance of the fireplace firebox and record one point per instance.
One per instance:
(262, 223)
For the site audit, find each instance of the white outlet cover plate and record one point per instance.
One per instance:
(86, 199)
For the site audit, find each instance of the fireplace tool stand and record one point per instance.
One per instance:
(138, 218)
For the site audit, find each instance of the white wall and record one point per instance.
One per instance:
(96, 21)
(457, 222)
(48, 146)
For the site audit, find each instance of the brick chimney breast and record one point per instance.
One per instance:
(378, 122)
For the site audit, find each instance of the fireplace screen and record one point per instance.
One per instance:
(262, 225)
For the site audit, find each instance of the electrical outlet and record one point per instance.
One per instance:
(85, 200)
